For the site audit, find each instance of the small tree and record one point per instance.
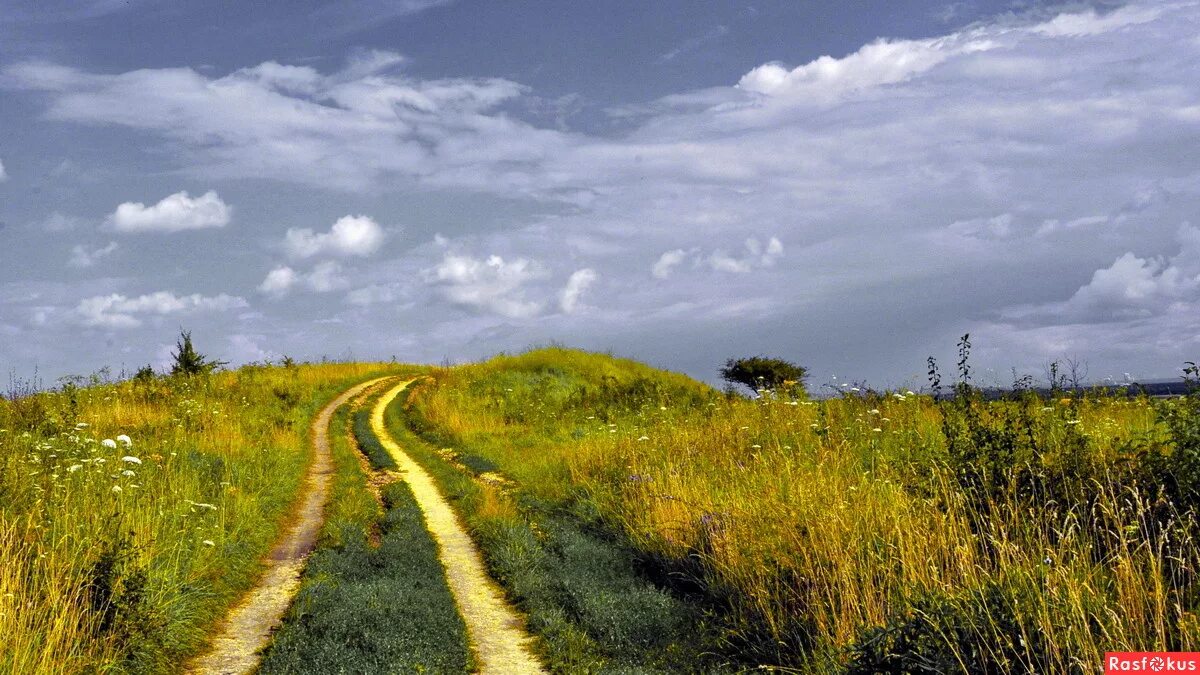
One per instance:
(190, 362)
(761, 372)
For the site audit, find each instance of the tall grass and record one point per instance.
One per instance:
(133, 513)
(877, 533)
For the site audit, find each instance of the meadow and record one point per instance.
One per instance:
(642, 521)
(133, 513)
(873, 532)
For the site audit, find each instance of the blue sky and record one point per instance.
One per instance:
(850, 185)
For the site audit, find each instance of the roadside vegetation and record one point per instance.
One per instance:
(874, 532)
(132, 513)
(374, 596)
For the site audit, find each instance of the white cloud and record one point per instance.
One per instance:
(323, 278)
(492, 284)
(756, 256)
(174, 213)
(1132, 287)
(58, 222)
(1090, 22)
(82, 257)
(3, 173)
(278, 281)
(119, 311)
(667, 262)
(579, 282)
(879, 63)
(326, 277)
(372, 295)
(350, 236)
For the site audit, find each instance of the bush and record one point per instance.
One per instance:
(761, 372)
(187, 361)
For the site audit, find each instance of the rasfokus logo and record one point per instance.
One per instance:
(1152, 662)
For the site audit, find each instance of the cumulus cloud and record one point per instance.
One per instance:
(119, 311)
(667, 262)
(577, 284)
(1131, 288)
(756, 255)
(279, 281)
(879, 63)
(350, 236)
(492, 285)
(3, 173)
(174, 213)
(325, 277)
(82, 257)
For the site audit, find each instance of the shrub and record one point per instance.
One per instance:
(187, 361)
(761, 372)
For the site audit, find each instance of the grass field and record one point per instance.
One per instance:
(133, 513)
(642, 521)
(876, 532)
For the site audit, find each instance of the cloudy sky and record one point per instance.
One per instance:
(848, 185)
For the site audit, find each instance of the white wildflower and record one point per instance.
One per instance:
(109, 443)
(127, 472)
(74, 467)
(643, 438)
(125, 440)
(208, 542)
(116, 488)
(129, 459)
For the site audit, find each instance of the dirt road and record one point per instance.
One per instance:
(249, 625)
(495, 630)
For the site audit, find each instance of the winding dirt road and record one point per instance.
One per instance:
(495, 630)
(248, 626)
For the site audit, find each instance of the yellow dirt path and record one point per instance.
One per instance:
(495, 629)
(249, 624)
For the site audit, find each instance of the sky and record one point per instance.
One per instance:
(850, 186)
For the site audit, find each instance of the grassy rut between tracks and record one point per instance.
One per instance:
(132, 514)
(874, 532)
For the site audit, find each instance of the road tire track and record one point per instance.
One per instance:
(248, 627)
(494, 628)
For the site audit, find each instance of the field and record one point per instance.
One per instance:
(641, 521)
(133, 513)
(876, 532)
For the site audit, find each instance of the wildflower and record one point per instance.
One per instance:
(756, 446)
(208, 542)
(910, 393)
(873, 411)
(109, 443)
(80, 426)
(127, 473)
(813, 425)
(129, 459)
(116, 488)
(877, 430)
(125, 440)
(1073, 421)
(74, 467)
(643, 438)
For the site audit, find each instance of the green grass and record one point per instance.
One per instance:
(583, 591)
(374, 596)
(125, 565)
(875, 531)
(368, 444)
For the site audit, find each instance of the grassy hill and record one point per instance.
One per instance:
(642, 520)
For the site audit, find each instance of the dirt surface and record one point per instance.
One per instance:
(495, 629)
(248, 626)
